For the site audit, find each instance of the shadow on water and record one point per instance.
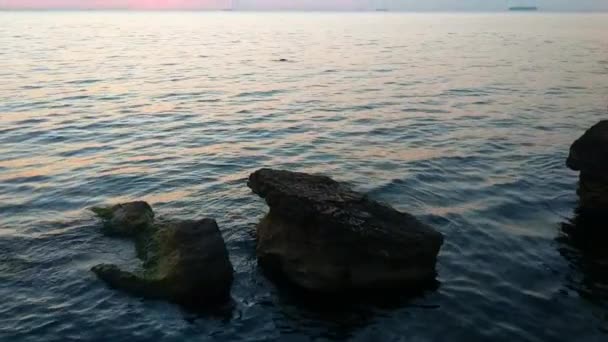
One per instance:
(224, 313)
(338, 316)
(582, 242)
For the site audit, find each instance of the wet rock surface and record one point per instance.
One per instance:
(126, 219)
(183, 261)
(324, 237)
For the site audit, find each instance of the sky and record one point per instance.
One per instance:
(421, 5)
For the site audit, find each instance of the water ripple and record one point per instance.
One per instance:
(106, 107)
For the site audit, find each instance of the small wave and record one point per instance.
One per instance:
(85, 81)
(208, 100)
(425, 110)
(31, 121)
(31, 87)
(182, 95)
(27, 179)
(267, 93)
(84, 151)
(75, 98)
(467, 92)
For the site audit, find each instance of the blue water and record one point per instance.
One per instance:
(464, 120)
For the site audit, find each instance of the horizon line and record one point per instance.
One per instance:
(127, 9)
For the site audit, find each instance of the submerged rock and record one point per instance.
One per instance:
(184, 261)
(582, 243)
(322, 236)
(589, 155)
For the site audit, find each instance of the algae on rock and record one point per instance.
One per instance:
(184, 261)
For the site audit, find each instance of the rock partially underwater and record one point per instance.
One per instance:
(583, 239)
(184, 261)
(324, 237)
(126, 219)
(583, 243)
(589, 155)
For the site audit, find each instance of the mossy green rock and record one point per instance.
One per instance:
(184, 261)
(126, 219)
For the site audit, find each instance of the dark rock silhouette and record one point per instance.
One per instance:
(324, 237)
(583, 238)
(582, 241)
(589, 155)
(184, 261)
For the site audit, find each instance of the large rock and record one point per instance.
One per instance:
(583, 238)
(323, 236)
(589, 155)
(184, 261)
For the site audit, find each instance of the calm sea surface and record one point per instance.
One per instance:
(462, 119)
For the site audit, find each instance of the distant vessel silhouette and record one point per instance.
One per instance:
(232, 6)
(523, 8)
(381, 5)
(522, 5)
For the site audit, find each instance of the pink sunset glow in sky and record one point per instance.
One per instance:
(179, 4)
(134, 4)
(162, 4)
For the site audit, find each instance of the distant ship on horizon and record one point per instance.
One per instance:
(522, 5)
(380, 5)
(523, 8)
(232, 6)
